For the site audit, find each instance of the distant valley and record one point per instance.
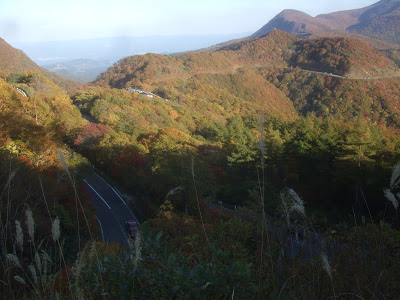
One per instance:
(254, 163)
(83, 70)
(65, 57)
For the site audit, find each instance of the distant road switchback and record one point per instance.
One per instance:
(340, 76)
(21, 91)
(112, 211)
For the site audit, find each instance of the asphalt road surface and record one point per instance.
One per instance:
(340, 76)
(112, 211)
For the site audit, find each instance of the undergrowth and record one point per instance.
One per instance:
(219, 254)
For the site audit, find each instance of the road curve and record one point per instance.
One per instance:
(112, 211)
(340, 76)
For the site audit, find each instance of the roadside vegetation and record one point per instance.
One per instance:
(252, 181)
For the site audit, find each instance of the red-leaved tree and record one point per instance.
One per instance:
(90, 137)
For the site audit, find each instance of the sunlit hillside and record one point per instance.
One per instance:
(262, 168)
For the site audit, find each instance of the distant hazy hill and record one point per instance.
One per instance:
(63, 57)
(278, 49)
(230, 74)
(273, 50)
(114, 48)
(379, 21)
(82, 69)
(242, 73)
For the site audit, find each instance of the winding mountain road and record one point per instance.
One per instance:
(21, 91)
(340, 76)
(112, 211)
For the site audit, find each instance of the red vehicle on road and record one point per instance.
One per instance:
(132, 228)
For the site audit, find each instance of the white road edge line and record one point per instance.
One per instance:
(129, 210)
(124, 233)
(111, 188)
(101, 229)
(118, 196)
(97, 194)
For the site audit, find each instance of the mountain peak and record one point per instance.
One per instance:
(292, 13)
(379, 21)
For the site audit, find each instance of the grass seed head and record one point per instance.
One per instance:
(33, 273)
(389, 195)
(55, 229)
(19, 235)
(19, 279)
(30, 224)
(64, 163)
(138, 248)
(395, 180)
(38, 262)
(325, 264)
(13, 259)
(292, 202)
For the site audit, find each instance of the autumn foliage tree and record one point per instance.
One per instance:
(90, 137)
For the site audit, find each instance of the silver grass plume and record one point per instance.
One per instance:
(78, 265)
(12, 175)
(12, 258)
(173, 191)
(325, 264)
(298, 208)
(44, 270)
(64, 163)
(130, 246)
(285, 207)
(77, 273)
(19, 235)
(138, 248)
(298, 204)
(19, 279)
(38, 262)
(30, 224)
(55, 229)
(33, 273)
(92, 250)
(46, 260)
(292, 202)
(394, 181)
(389, 195)
(45, 257)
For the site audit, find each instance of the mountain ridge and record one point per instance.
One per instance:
(277, 49)
(213, 76)
(380, 21)
(13, 60)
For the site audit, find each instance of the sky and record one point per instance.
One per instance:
(52, 20)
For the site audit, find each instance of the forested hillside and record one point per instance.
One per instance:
(238, 73)
(271, 50)
(375, 100)
(381, 21)
(377, 24)
(263, 169)
(214, 101)
(37, 122)
(14, 61)
(343, 56)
